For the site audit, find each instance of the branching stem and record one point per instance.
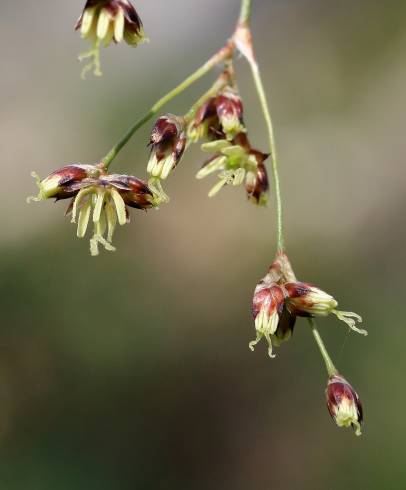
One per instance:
(220, 56)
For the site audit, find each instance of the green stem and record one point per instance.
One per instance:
(203, 70)
(331, 369)
(245, 14)
(274, 156)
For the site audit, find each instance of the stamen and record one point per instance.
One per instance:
(81, 194)
(217, 188)
(111, 220)
(99, 205)
(119, 26)
(120, 206)
(84, 217)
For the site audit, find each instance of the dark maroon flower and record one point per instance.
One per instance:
(109, 20)
(168, 142)
(256, 182)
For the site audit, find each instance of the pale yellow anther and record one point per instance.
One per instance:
(120, 207)
(103, 23)
(84, 217)
(119, 26)
(87, 21)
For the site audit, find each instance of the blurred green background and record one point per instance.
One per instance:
(132, 370)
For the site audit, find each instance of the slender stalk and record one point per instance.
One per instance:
(274, 156)
(331, 369)
(221, 55)
(245, 15)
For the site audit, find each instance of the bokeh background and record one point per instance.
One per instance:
(132, 370)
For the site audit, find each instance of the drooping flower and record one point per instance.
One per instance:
(279, 299)
(111, 20)
(230, 112)
(257, 184)
(344, 404)
(220, 117)
(168, 142)
(98, 197)
(103, 21)
(237, 163)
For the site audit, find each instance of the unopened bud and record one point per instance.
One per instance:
(64, 182)
(307, 300)
(230, 112)
(344, 404)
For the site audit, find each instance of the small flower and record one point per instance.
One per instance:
(111, 20)
(344, 404)
(237, 163)
(206, 123)
(220, 117)
(257, 184)
(268, 308)
(64, 182)
(309, 301)
(230, 112)
(105, 200)
(168, 142)
(103, 21)
(273, 320)
(97, 196)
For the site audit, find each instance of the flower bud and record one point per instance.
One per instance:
(206, 123)
(307, 300)
(64, 182)
(230, 112)
(344, 404)
(168, 143)
(111, 20)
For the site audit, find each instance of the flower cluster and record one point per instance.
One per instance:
(220, 121)
(279, 299)
(97, 196)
